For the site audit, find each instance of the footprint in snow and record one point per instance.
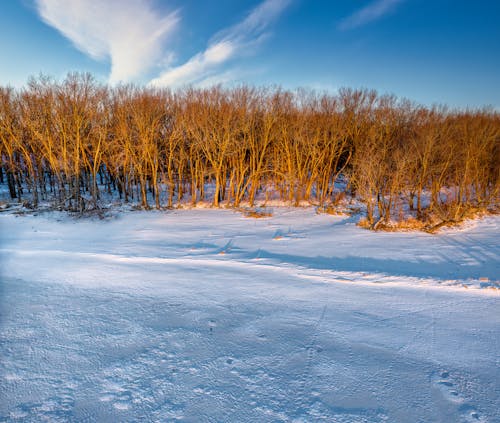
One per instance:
(447, 388)
(444, 383)
(212, 324)
(471, 415)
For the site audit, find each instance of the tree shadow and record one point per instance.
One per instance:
(445, 270)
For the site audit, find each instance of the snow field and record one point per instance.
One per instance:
(205, 315)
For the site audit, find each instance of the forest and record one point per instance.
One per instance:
(76, 143)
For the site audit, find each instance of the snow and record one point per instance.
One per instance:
(207, 315)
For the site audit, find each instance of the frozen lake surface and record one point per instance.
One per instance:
(205, 315)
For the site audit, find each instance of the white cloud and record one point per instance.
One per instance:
(224, 46)
(127, 32)
(225, 77)
(219, 52)
(196, 67)
(369, 13)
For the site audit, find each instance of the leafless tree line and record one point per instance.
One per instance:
(72, 142)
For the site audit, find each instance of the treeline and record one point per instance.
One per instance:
(75, 141)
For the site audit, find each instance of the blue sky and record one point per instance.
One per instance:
(431, 51)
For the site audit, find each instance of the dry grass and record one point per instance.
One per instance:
(363, 223)
(256, 213)
(404, 225)
(408, 224)
(430, 223)
(330, 209)
(337, 207)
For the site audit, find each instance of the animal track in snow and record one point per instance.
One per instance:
(470, 414)
(447, 387)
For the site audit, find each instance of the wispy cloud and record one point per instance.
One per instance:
(130, 33)
(226, 45)
(373, 11)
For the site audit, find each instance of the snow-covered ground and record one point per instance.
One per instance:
(206, 315)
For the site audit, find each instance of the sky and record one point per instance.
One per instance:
(430, 51)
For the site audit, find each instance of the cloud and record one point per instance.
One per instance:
(225, 45)
(196, 67)
(225, 77)
(127, 32)
(373, 11)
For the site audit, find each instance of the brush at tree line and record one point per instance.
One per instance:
(69, 142)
